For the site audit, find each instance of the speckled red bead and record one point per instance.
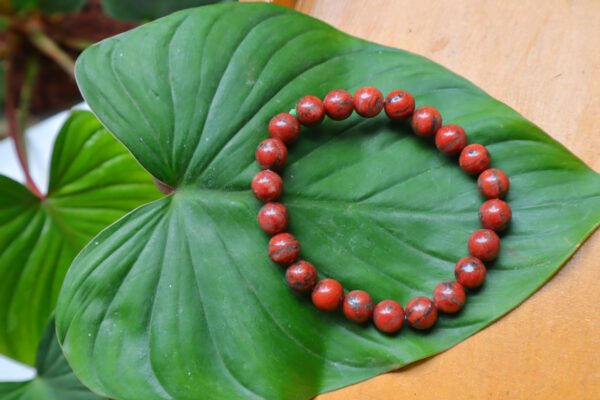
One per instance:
(328, 295)
(388, 316)
(284, 127)
(273, 218)
(426, 121)
(310, 111)
(495, 214)
(484, 244)
(368, 101)
(449, 297)
(493, 183)
(267, 185)
(358, 306)
(284, 248)
(470, 272)
(450, 139)
(338, 104)
(301, 276)
(474, 158)
(421, 313)
(271, 153)
(399, 104)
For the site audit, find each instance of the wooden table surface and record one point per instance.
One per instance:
(543, 59)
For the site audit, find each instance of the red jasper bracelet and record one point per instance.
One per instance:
(328, 294)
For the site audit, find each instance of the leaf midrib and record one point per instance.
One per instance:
(53, 214)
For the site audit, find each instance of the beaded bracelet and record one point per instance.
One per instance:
(328, 294)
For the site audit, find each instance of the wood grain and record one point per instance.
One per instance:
(542, 59)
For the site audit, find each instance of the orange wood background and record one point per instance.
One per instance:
(543, 59)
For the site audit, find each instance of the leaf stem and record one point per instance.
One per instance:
(74, 43)
(50, 48)
(13, 132)
(31, 71)
(163, 187)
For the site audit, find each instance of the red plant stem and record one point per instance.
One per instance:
(13, 132)
(31, 73)
(163, 187)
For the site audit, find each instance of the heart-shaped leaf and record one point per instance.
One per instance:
(54, 380)
(93, 182)
(149, 9)
(179, 299)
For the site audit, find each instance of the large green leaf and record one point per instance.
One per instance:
(54, 380)
(132, 10)
(93, 182)
(179, 300)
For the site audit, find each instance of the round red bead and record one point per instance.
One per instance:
(338, 104)
(388, 316)
(267, 185)
(450, 139)
(484, 244)
(368, 101)
(449, 297)
(493, 183)
(271, 153)
(273, 218)
(284, 248)
(310, 110)
(474, 158)
(399, 104)
(470, 272)
(495, 214)
(301, 276)
(358, 306)
(328, 295)
(421, 313)
(426, 121)
(284, 127)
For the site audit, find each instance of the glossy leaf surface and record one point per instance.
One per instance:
(179, 299)
(93, 182)
(54, 380)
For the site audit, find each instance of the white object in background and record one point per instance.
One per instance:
(12, 371)
(40, 141)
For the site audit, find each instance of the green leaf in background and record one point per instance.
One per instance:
(150, 9)
(60, 6)
(54, 380)
(49, 6)
(178, 300)
(21, 5)
(4, 23)
(93, 182)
